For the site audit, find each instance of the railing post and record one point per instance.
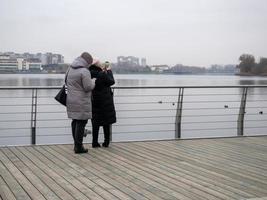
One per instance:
(33, 116)
(110, 127)
(178, 118)
(240, 121)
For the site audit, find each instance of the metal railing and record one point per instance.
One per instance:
(143, 113)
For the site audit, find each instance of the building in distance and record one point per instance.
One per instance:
(15, 62)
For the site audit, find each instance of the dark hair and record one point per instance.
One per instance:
(86, 56)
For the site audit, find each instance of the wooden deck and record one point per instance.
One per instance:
(231, 168)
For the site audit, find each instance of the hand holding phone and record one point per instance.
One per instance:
(107, 65)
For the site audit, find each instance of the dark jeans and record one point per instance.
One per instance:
(106, 129)
(78, 127)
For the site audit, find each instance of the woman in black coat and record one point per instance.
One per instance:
(103, 109)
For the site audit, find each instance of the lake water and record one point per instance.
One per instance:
(143, 114)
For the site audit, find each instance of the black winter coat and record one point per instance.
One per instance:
(103, 109)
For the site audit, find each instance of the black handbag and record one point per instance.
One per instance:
(61, 96)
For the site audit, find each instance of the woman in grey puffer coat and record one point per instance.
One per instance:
(79, 107)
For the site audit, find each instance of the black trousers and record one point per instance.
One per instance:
(78, 127)
(106, 129)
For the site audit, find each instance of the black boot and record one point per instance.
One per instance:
(105, 144)
(96, 145)
(80, 149)
(106, 135)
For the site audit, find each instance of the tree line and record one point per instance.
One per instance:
(248, 66)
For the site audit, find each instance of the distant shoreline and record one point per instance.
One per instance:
(250, 74)
(199, 74)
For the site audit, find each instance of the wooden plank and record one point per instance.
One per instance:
(12, 184)
(5, 192)
(54, 172)
(171, 169)
(178, 184)
(207, 159)
(95, 180)
(232, 168)
(55, 158)
(31, 191)
(106, 190)
(226, 164)
(124, 178)
(114, 176)
(35, 180)
(189, 157)
(57, 189)
(234, 153)
(104, 180)
(171, 176)
(150, 180)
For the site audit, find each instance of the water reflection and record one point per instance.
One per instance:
(261, 82)
(134, 80)
(247, 82)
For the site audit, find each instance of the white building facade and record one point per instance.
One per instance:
(19, 64)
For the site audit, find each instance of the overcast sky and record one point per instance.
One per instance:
(189, 32)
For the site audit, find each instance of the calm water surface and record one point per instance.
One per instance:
(142, 114)
(135, 80)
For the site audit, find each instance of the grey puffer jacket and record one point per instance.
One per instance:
(79, 87)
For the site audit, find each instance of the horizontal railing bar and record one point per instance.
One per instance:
(208, 129)
(210, 122)
(134, 103)
(44, 127)
(152, 102)
(164, 102)
(226, 101)
(146, 95)
(15, 113)
(43, 120)
(197, 129)
(15, 97)
(152, 117)
(210, 115)
(218, 115)
(15, 128)
(16, 105)
(143, 124)
(17, 120)
(225, 94)
(116, 132)
(55, 127)
(51, 112)
(135, 87)
(136, 110)
(132, 117)
(221, 108)
(193, 122)
(141, 96)
(14, 136)
(152, 95)
(46, 135)
(255, 107)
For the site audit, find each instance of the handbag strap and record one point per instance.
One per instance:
(67, 76)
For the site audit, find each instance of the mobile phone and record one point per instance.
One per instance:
(106, 64)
